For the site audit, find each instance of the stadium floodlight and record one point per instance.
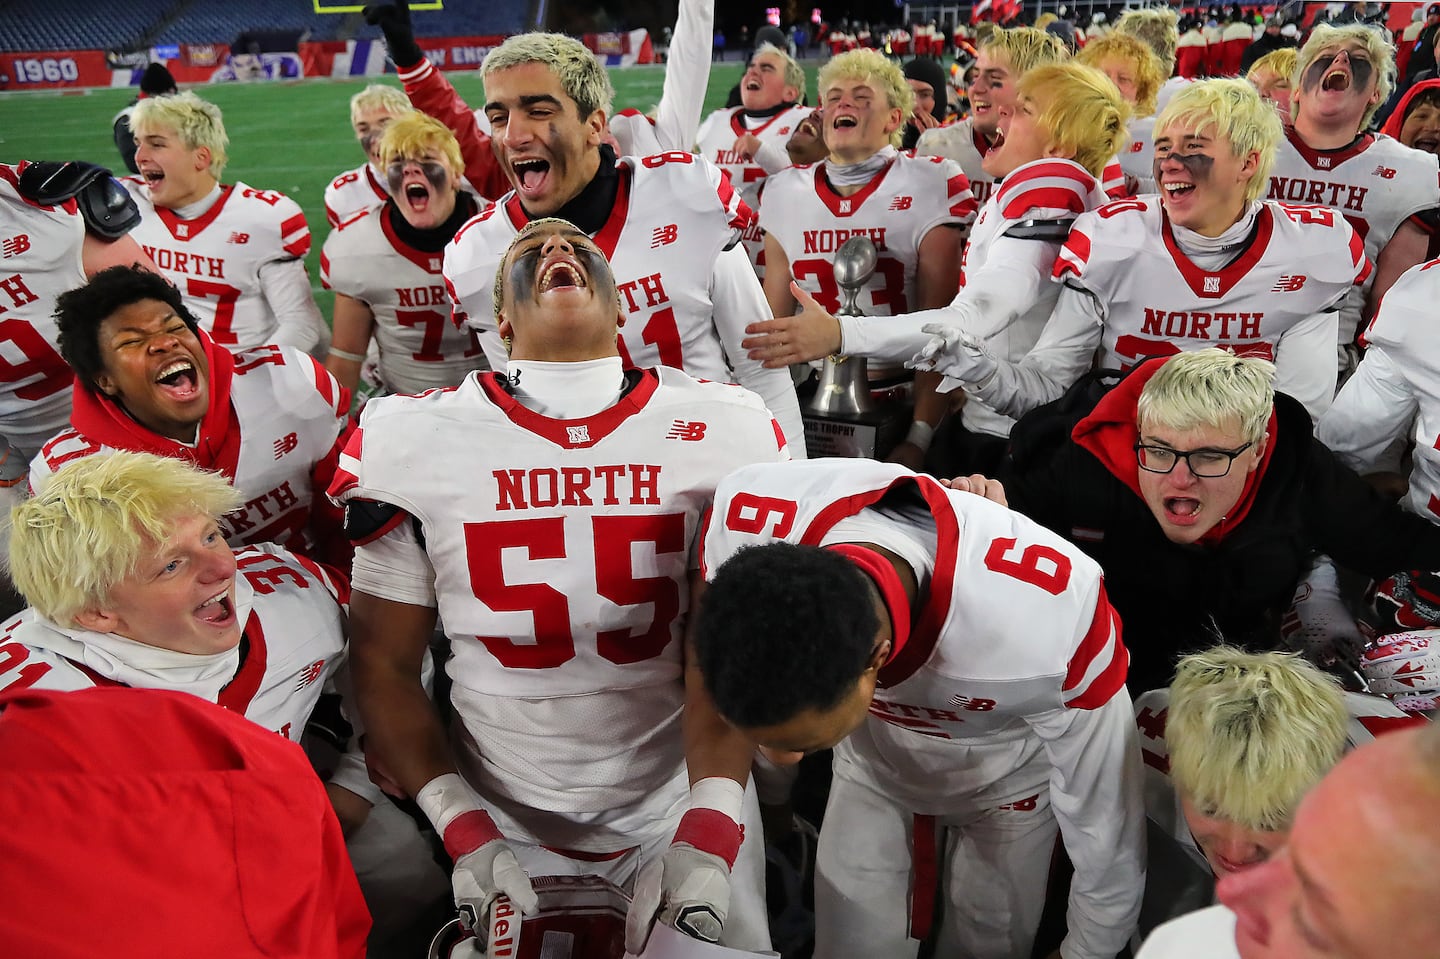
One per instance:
(324, 6)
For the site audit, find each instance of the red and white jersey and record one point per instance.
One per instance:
(716, 142)
(1267, 302)
(1377, 184)
(41, 256)
(215, 258)
(673, 216)
(1007, 277)
(1370, 716)
(896, 209)
(353, 191)
(271, 429)
(294, 640)
(959, 142)
(1137, 154)
(1395, 390)
(367, 260)
(560, 552)
(1014, 663)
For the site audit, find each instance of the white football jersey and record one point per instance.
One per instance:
(673, 216)
(1137, 154)
(1370, 716)
(353, 191)
(294, 640)
(367, 260)
(896, 209)
(270, 421)
(1376, 183)
(561, 552)
(41, 256)
(215, 258)
(1155, 301)
(1395, 390)
(1010, 688)
(716, 142)
(960, 142)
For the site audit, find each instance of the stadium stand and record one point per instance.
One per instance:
(80, 24)
(462, 18)
(218, 21)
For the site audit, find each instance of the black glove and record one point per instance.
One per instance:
(393, 19)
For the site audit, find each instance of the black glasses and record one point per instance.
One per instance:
(1206, 464)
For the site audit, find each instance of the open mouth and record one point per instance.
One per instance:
(153, 178)
(845, 123)
(561, 275)
(1176, 190)
(179, 380)
(1427, 144)
(531, 174)
(217, 610)
(418, 196)
(979, 106)
(1336, 80)
(752, 84)
(1182, 510)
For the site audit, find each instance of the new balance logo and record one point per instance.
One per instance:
(1212, 284)
(309, 674)
(1137, 147)
(1385, 172)
(1022, 805)
(15, 245)
(286, 444)
(687, 431)
(1288, 283)
(578, 434)
(900, 203)
(664, 236)
(239, 238)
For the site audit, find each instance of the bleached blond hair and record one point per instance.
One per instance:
(1209, 387)
(1229, 108)
(877, 70)
(1380, 51)
(1025, 48)
(1158, 29)
(379, 96)
(1249, 734)
(195, 121)
(96, 519)
(581, 76)
(1149, 75)
(1279, 62)
(1081, 110)
(412, 134)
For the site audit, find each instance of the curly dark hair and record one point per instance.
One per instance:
(783, 629)
(80, 312)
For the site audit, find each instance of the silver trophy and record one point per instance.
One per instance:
(842, 418)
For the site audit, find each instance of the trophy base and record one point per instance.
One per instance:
(869, 435)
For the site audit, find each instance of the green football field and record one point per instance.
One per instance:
(293, 137)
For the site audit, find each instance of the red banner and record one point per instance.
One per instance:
(459, 53)
(51, 70)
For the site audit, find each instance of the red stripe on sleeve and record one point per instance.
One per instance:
(1103, 637)
(1051, 197)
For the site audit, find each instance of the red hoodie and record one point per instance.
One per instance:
(1396, 120)
(217, 447)
(1110, 433)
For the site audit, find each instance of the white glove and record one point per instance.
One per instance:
(689, 886)
(1405, 667)
(960, 357)
(485, 865)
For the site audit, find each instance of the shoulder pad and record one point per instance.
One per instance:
(108, 210)
(1055, 231)
(368, 520)
(1430, 219)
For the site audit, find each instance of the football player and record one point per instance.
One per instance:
(1001, 60)
(236, 252)
(1066, 123)
(668, 223)
(867, 188)
(364, 187)
(748, 142)
(560, 566)
(384, 266)
(1387, 191)
(1136, 72)
(966, 667)
(1205, 263)
(149, 379)
(131, 582)
(60, 224)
